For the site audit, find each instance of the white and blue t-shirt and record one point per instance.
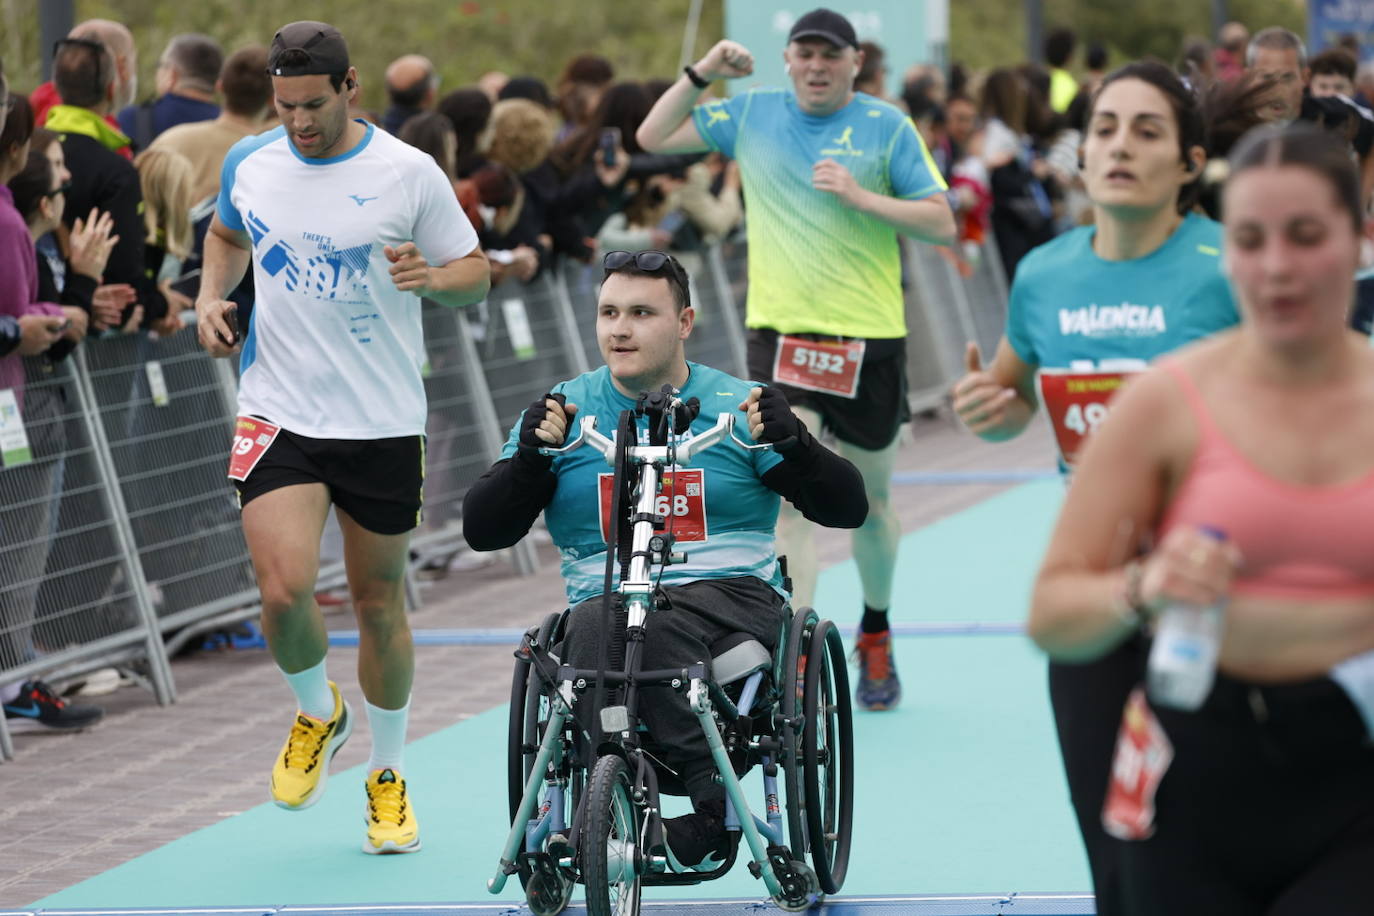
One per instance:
(334, 350)
(1071, 308)
(741, 511)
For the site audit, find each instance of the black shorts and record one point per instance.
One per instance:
(378, 482)
(869, 420)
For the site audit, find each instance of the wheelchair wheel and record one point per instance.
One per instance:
(528, 714)
(791, 706)
(548, 891)
(609, 844)
(828, 757)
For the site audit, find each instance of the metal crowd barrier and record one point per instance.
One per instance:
(120, 539)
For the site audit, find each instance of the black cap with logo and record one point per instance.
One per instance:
(321, 43)
(827, 24)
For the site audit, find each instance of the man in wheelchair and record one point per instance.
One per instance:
(722, 512)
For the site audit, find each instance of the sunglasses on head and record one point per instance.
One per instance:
(644, 260)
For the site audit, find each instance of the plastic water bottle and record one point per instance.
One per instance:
(1183, 659)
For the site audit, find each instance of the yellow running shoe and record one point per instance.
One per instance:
(302, 767)
(391, 824)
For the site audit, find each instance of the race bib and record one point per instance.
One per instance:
(1076, 404)
(252, 438)
(682, 502)
(818, 365)
(1143, 754)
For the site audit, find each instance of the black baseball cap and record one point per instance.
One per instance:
(322, 44)
(827, 24)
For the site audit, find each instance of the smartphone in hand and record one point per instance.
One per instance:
(610, 142)
(231, 318)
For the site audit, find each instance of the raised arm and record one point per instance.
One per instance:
(669, 127)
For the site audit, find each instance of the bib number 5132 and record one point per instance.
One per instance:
(819, 365)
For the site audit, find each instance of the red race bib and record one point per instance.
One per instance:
(682, 502)
(1143, 754)
(252, 438)
(1076, 403)
(818, 365)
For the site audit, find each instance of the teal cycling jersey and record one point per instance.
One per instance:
(740, 512)
(1071, 308)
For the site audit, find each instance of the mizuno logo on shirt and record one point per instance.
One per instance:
(1124, 320)
(715, 114)
(360, 200)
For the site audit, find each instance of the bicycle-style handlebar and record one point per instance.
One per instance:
(683, 452)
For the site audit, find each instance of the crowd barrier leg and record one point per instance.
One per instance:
(729, 312)
(489, 427)
(567, 320)
(160, 670)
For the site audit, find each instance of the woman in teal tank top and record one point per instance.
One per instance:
(1087, 310)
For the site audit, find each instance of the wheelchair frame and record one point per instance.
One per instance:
(616, 825)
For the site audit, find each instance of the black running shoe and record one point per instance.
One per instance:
(694, 837)
(38, 707)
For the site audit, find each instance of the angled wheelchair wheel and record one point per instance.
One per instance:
(610, 840)
(791, 705)
(528, 714)
(828, 757)
(549, 889)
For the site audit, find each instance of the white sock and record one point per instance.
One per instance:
(9, 692)
(388, 736)
(313, 695)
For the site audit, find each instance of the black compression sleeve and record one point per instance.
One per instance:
(501, 506)
(824, 487)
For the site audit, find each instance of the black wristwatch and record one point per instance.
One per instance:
(695, 77)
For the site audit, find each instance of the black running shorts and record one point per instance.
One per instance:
(869, 420)
(378, 482)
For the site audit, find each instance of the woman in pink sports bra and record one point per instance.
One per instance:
(1262, 801)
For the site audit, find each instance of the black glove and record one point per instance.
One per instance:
(781, 427)
(530, 443)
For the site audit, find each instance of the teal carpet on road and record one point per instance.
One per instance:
(959, 790)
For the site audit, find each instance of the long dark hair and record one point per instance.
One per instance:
(1189, 117)
(1307, 146)
(624, 105)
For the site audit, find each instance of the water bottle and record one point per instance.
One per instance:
(1183, 659)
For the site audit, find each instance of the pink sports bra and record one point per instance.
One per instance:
(1296, 540)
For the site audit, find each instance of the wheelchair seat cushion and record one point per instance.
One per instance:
(737, 656)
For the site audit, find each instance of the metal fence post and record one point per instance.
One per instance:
(729, 312)
(489, 426)
(567, 321)
(160, 669)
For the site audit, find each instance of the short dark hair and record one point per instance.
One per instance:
(244, 81)
(18, 126)
(82, 71)
(197, 57)
(1183, 101)
(426, 132)
(527, 87)
(1059, 45)
(672, 271)
(32, 184)
(1334, 62)
(874, 56)
(1096, 56)
(292, 58)
(1307, 146)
